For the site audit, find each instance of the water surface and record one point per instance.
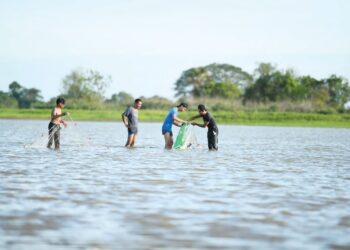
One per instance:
(266, 188)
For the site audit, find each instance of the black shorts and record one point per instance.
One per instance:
(53, 127)
(166, 131)
(54, 135)
(132, 131)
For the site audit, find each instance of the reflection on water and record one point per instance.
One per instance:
(266, 187)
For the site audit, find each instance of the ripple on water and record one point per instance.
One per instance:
(266, 188)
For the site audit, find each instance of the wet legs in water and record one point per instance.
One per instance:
(131, 140)
(168, 137)
(54, 135)
(213, 139)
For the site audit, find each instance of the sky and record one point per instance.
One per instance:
(145, 45)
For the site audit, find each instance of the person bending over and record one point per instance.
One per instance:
(209, 122)
(171, 119)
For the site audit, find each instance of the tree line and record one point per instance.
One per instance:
(266, 84)
(214, 83)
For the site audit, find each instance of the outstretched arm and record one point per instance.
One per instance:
(200, 125)
(177, 124)
(194, 117)
(178, 120)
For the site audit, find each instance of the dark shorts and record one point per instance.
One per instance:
(54, 135)
(166, 131)
(132, 131)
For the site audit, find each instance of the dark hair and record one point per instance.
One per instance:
(202, 108)
(60, 100)
(183, 104)
(137, 100)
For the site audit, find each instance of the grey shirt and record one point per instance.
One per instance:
(132, 116)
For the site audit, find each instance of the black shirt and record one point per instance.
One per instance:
(209, 118)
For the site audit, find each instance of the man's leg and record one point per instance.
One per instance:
(49, 143)
(51, 133)
(216, 140)
(133, 140)
(210, 146)
(168, 137)
(212, 140)
(129, 140)
(56, 136)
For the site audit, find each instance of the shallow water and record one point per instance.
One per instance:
(266, 188)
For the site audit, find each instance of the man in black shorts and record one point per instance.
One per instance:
(209, 122)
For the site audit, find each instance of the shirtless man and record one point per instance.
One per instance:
(54, 125)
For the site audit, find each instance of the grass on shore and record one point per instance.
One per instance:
(222, 117)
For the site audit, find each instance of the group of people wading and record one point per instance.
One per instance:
(130, 120)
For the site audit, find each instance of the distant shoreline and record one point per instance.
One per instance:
(256, 118)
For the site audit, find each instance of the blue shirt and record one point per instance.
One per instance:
(169, 120)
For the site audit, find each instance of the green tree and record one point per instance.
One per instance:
(339, 91)
(15, 90)
(307, 87)
(229, 74)
(190, 81)
(265, 70)
(258, 90)
(156, 102)
(273, 85)
(24, 97)
(7, 101)
(221, 89)
(85, 84)
(283, 85)
(29, 97)
(212, 80)
(122, 98)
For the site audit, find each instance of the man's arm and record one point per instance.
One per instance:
(125, 120)
(64, 123)
(204, 125)
(194, 117)
(178, 120)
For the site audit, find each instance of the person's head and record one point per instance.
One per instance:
(202, 110)
(182, 107)
(137, 103)
(60, 102)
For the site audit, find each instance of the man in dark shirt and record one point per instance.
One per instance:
(209, 122)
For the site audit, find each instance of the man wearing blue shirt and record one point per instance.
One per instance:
(171, 119)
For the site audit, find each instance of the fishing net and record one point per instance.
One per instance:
(186, 137)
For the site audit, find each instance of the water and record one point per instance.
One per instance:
(266, 188)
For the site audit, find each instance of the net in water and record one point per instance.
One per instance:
(186, 137)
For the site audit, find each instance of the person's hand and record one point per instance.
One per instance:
(65, 125)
